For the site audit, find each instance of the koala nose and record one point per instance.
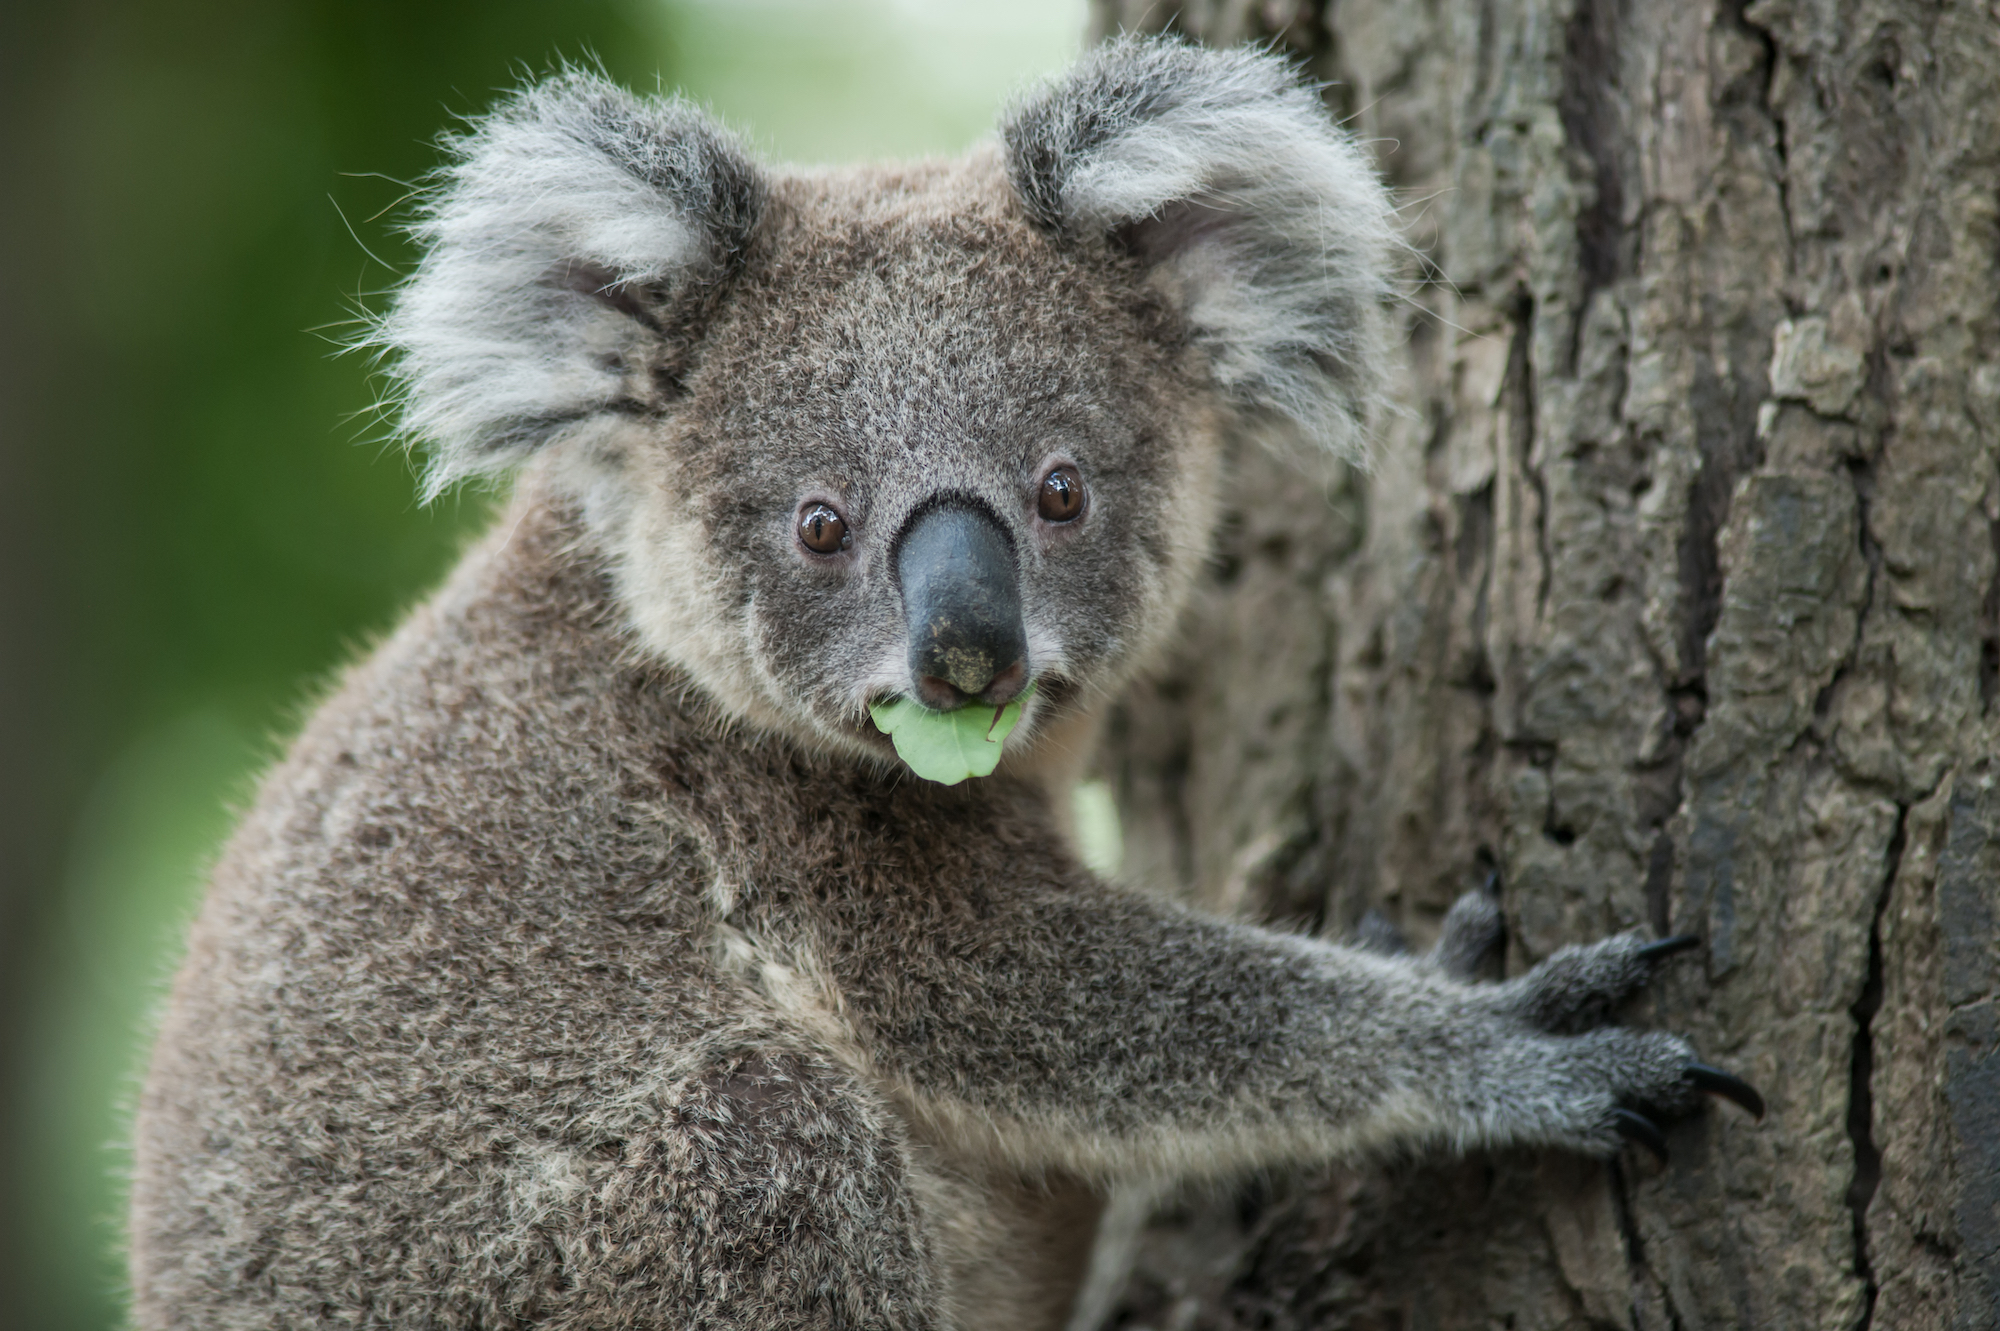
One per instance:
(962, 602)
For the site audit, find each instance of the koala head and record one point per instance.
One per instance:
(939, 431)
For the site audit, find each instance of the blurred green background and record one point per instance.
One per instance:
(200, 516)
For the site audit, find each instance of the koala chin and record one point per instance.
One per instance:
(591, 961)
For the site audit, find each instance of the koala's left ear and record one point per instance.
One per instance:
(572, 243)
(1222, 170)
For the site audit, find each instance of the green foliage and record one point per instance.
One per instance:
(947, 747)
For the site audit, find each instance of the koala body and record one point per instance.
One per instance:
(592, 962)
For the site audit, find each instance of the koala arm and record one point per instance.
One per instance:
(1077, 1024)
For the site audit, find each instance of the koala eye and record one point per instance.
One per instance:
(1061, 498)
(823, 531)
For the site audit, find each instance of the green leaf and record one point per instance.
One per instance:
(948, 747)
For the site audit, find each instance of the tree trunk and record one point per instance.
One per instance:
(1673, 599)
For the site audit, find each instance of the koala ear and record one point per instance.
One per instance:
(1221, 169)
(571, 242)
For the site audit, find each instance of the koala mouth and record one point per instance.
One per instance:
(1049, 696)
(949, 746)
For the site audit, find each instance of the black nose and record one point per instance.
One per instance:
(962, 602)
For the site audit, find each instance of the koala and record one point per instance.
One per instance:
(593, 961)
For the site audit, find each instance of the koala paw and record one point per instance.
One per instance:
(1605, 1086)
(1644, 1076)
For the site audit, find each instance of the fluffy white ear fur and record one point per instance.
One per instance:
(1266, 221)
(563, 241)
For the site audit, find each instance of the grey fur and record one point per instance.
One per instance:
(1470, 932)
(568, 241)
(1581, 985)
(590, 962)
(1222, 167)
(1375, 933)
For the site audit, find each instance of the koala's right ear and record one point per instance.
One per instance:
(572, 242)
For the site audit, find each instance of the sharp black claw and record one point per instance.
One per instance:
(1635, 1127)
(1717, 1082)
(1668, 947)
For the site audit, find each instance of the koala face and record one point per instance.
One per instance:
(927, 451)
(940, 432)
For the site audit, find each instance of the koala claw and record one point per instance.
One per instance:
(1636, 1127)
(1667, 947)
(1732, 1088)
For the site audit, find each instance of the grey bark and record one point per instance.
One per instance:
(1673, 599)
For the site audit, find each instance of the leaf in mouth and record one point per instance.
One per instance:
(948, 747)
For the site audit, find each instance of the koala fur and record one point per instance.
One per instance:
(592, 962)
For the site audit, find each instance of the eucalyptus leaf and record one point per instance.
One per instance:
(948, 747)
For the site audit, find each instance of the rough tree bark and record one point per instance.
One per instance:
(1673, 598)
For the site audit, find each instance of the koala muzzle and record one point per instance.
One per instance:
(962, 603)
